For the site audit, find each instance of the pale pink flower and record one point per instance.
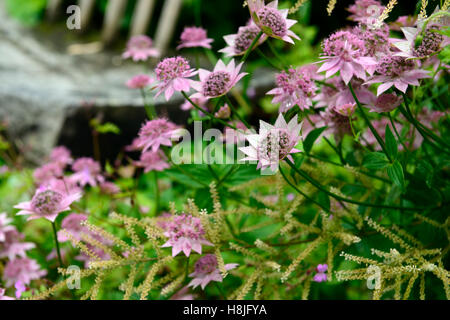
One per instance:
(271, 20)
(336, 123)
(192, 37)
(139, 81)
(109, 188)
(152, 161)
(185, 233)
(48, 172)
(140, 48)
(218, 82)
(22, 269)
(201, 102)
(87, 172)
(155, 133)
(206, 270)
(346, 109)
(2, 295)
(72, 224)
(47, 203)
(134, 146)
(4, 225)
(365, 11)
(294, 87)
(273, 143)
(398, 72)
(385, 102)
(224, 112)
(237, 44)
(61, 155)
(321, 276)
(20, 288)
(344, 53)
(172, 75)
(12, 246)
(63, 185)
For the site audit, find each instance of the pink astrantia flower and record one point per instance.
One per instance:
(61, 155)
(73, 225)
(344, 53)
(237, 44)
(140, 48)
(155, 133)
(183, 294)
(87, 172)
(336, 123)
(206, 270)
(152, 161)
(385, 102)
(22, 269)
(192, 37)
(294, 87)
(47, 203)
(271, 20)
(321, 276)
(2, 295)
(398, 72)
(139, 81)
(365, 11)
(224, 112)
(273, 143)
(4, 225)
(218, 82)
(185, 233)
(47, 172)
(109, 188)
(346, 109)
(172, 75)
(12, 246)
(376, 40)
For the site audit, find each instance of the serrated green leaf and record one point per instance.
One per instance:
(395, 172)
(375, 161)
(311, 138)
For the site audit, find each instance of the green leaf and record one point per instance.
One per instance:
(311, 138)
(107, 127)
(375, 161)
(395, 172)
(324, 200)
(391, 143)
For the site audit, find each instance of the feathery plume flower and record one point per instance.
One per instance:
(218, 82)
(294, 87)
(4, 225)
(87, 171)
(238, 43)
(224, 112)
(271, 20)
(192, 37)
(321, 276)
(273, 143)
(155, 133)
(12, 246)
(344, 53)
(140, 48)
(172, 75)
(365, 11)
(139, 81)
(398, 72)
(2, 295)
(185, 233)
(152, 161)
(22, 269)
(61, 155)
(385, 102)
(47, 203)
(206, 270)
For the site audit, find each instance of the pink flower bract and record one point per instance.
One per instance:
(192, 37)
(140, 48)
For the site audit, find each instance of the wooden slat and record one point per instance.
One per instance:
(86, 8)
(141, 17)
(113, 16)
(53, 7)
(167, 23)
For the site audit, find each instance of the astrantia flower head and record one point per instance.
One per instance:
(376, 40)
(61, 155)
(47, 172)
(218, 82)
(185, 233)
(237, 44)
(72, 224)
(192, 37)
(108, 187)
(206, 270)
(172, 75)
(22, 269)
(87, 172)
(346, 109)
(12, 245)
(337, 123)
(152, 161)
(273, 143)
(386, 102)
(139, 82)
(140, 48)
(271, 20)
(365, 11)
(294, 87)
(398, 72)
(321, 276)
(47, 203)
(344, 52)
(155, 133)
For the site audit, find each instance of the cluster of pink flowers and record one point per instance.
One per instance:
(140, 48)
(193, 37)
(185, 233)
(206, 270)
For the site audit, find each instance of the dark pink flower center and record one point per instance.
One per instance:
(244, 38)
(276, 145)
(206, 264)
(216, 84)
(46, 202)
(272, 19)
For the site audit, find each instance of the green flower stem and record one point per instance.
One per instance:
(396, 132)
(236, 113)
(252, 45)
(267, 59)
(374, 132)
(157, 195)
(149, 109)
(186, 272)
(58, 251)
